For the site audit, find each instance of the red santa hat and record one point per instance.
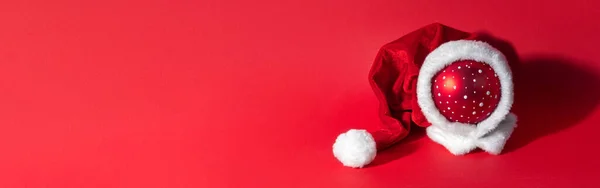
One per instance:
(403, 76)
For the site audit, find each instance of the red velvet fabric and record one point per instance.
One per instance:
(393, 77)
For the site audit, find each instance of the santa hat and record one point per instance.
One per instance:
(403, 76)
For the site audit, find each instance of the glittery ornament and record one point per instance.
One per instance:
(466, 91)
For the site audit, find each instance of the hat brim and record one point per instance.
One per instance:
(458, 50)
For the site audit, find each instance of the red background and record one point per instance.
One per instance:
(223, 93)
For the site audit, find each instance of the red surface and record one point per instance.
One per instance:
(253, 93)
(466, 91)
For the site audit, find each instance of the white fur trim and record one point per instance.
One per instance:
(460, 144)
(449, 53)
(355, 148)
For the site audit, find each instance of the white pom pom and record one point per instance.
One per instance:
(355, 148)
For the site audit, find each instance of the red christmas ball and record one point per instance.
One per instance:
(466, 91)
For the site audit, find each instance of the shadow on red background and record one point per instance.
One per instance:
(403, 148)
(552, 93)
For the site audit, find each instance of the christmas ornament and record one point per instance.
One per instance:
(466, 91)
(456, 84)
